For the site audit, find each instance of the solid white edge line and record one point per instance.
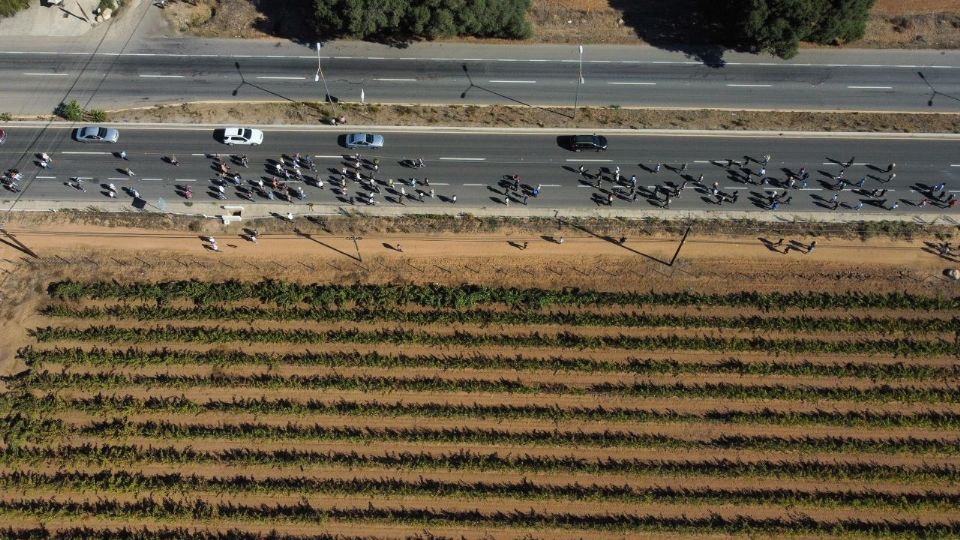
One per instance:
(749, 85)
(46, 74)
(870, 87)
(279, 78)
(396, 80)
(633, 83)
(87, 153)
(473, 185)
(512, 82)
(149, 76)
(462, 159)
(589, 160)
(46, 177)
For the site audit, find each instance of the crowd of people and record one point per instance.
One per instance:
(358, 182)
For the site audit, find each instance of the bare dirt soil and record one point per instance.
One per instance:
(544, 117)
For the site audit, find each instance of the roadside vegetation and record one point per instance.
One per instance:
(9, 8)
(609, 117)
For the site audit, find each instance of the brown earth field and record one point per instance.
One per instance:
(790, 419)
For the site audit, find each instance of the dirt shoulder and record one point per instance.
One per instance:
(543, 117)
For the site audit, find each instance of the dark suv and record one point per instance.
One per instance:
(596, 143)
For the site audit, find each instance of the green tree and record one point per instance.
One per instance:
(430, 19)
(778, 26)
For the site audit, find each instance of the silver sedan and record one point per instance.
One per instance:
(96, 134)
(364, 140)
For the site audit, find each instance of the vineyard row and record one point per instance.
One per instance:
(42, 430)
(49, 381)
(135, 357)
(484, 317)
(114, 481)
(104, 404)
(563, 340)
(303, 512)
(472, 460)
(465, 296)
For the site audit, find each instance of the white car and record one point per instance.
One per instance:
(238, 135)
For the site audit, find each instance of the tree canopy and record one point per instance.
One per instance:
(430, 19)
(778, 26)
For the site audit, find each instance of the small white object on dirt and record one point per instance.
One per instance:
(954, 274)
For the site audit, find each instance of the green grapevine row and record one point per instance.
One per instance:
(119, 428)
(304, 512)
(481, 317)
(113, 481)
(178, 533)
(48, 381)
(565, 340)
(101, 404)
(472, 460)
(464, 296)
(135, 357)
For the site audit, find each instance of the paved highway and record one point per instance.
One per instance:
(165, 71)
(474, 167)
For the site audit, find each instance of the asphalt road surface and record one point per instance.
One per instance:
(476, 169)
(168, 71)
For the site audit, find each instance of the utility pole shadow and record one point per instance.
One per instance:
(471, 85)
(309, 236)
(615, 242)
(12, 241)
